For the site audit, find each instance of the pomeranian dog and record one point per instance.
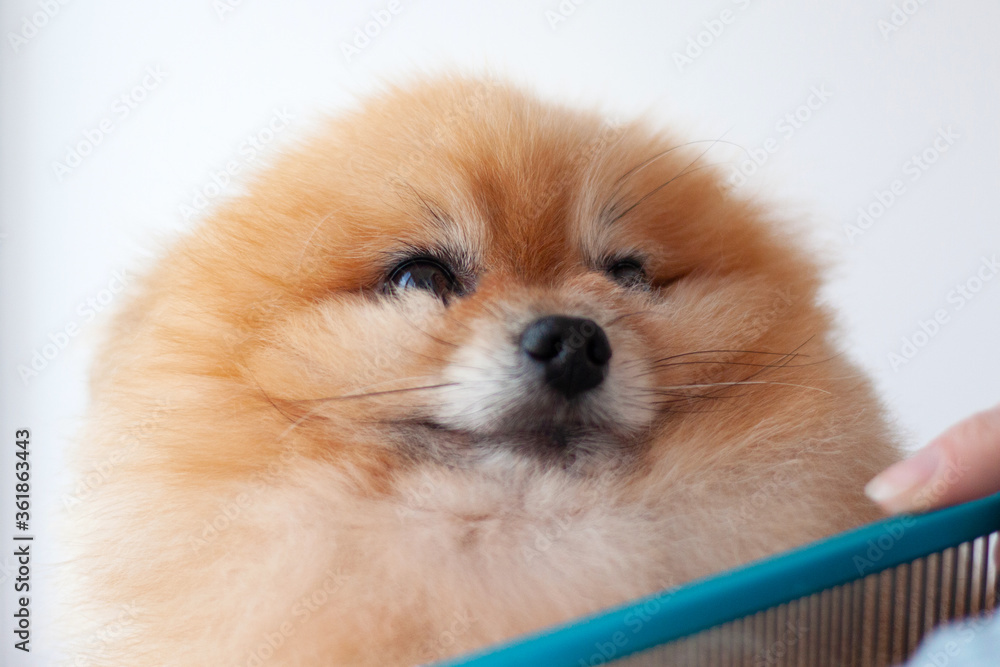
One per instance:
(464, 365)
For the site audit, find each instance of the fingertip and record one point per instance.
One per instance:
(898, 488)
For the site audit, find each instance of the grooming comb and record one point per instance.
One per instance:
(861, 598)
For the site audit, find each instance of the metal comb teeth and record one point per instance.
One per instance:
(875, 621)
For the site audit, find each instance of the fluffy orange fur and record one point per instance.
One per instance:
(300, 468)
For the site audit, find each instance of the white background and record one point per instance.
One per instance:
(226, 73)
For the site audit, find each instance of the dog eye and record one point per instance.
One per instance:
(628, 273)
(425, 274)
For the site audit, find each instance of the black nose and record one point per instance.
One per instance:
(575, 352)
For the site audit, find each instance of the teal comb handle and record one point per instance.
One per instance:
(688, 609)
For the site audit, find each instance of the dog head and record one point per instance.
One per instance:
(458, 272)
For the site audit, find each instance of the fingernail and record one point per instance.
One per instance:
(892, 486)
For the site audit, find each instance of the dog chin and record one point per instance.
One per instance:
(571, 446)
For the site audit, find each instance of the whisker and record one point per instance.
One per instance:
(722, 351)
(431, 208)
(302, 255)
(267, 396)
(786, 358)
(695, 399)
(615, 320)
(720, 408)
(745, 382)
(298, 422)
(783, 361)
(741, 363)
(663, 185)
(688, 397)
(428, 334)
(687, 170)
(450, 317)
(617, 185)
(665, 392)
(372, 393)
(393, 380)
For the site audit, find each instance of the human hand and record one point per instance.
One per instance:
(961, 464)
